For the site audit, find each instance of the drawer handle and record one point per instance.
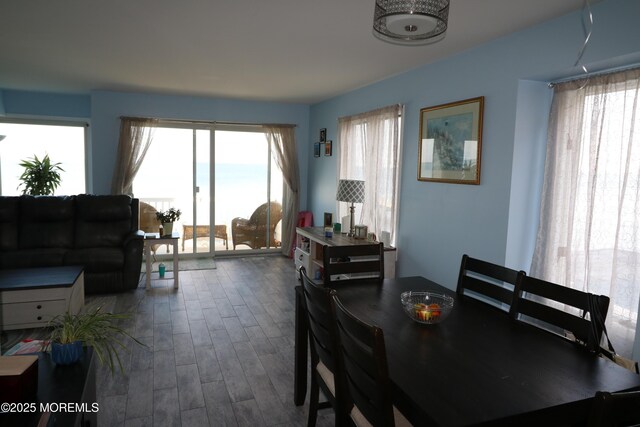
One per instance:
(39, 317)
(39, 307)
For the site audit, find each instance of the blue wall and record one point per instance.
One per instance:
(496, 220)
(32, 104)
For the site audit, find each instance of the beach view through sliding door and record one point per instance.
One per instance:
(248, 189)
(176, 173)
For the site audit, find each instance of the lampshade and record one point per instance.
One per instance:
(410, 22)
(350, 191)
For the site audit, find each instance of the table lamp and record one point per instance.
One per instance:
(351, 191)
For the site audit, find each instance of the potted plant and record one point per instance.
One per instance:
(167, 218)
(95, 328)
(40, 177)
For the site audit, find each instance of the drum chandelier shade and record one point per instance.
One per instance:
(410, 22)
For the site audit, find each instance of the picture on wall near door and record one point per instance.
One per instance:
(451, 142)
(316, 149)
(327, 148)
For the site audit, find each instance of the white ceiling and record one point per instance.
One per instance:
(277, 50)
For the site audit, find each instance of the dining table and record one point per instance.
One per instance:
(477, 367)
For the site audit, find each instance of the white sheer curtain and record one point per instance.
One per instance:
(283, 146)
(135, 138)
(589, 232)
(370, 149)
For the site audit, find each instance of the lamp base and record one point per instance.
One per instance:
(352, 226)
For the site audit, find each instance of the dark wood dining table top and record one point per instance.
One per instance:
(478, 365)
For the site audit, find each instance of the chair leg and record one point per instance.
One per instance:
(314, 398)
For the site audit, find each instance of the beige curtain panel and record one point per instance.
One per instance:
(136, 135)
(283, 147)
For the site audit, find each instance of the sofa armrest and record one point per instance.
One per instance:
(132, 247)
(135, 235)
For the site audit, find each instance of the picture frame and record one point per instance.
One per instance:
(316, 149)
(323, 134)
(328, 146)
(450, 142)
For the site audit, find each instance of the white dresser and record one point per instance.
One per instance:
(30, 298)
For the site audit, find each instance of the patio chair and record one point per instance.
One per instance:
(149, 223)
(253, 231)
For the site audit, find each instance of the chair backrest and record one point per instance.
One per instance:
(615, 409)
(259, 216)
(355, 263)
(586, 324)
(148, 220)
(323, 334)
(494, 283)
(364, 358)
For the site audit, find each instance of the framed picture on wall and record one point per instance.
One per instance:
(323, 134)
(316, 149)
(450, 143)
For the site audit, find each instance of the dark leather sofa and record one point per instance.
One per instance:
(97, 232)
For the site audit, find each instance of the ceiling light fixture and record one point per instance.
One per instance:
(410, 22)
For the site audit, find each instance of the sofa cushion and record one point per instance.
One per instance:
(46, 222)
(102, 221)
(96, 260)
(27, 258)
(9, 209)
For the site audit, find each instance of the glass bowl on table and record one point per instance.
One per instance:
(426, 307)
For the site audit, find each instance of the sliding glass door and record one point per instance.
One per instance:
(248, 188)
(222, 179)
(175, 174)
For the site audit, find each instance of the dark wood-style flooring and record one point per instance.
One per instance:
(219, 350)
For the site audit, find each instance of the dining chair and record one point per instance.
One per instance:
(323, 342)
(364, 359)
(615, 409)
(573, 314)
(487, 282)
(356, 263)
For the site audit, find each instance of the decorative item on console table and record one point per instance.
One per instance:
(167, 218)
(95, 328)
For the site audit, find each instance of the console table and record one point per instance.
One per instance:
(31, 297)
(309, 244)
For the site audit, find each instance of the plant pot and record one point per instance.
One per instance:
(66, 354)
(167, 228)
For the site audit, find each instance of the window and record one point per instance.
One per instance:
(370, 147)
(63, 141)
(589, 232)
(225, 170)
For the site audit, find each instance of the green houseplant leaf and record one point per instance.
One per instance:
(170, 215)
(40, 177)
(94, 328)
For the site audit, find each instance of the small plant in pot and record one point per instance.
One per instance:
(40, 177)
(95, 328)
(167, 218)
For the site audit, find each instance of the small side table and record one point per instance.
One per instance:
(149, 241)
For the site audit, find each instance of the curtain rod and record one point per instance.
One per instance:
(594, 74)
(209, 122)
